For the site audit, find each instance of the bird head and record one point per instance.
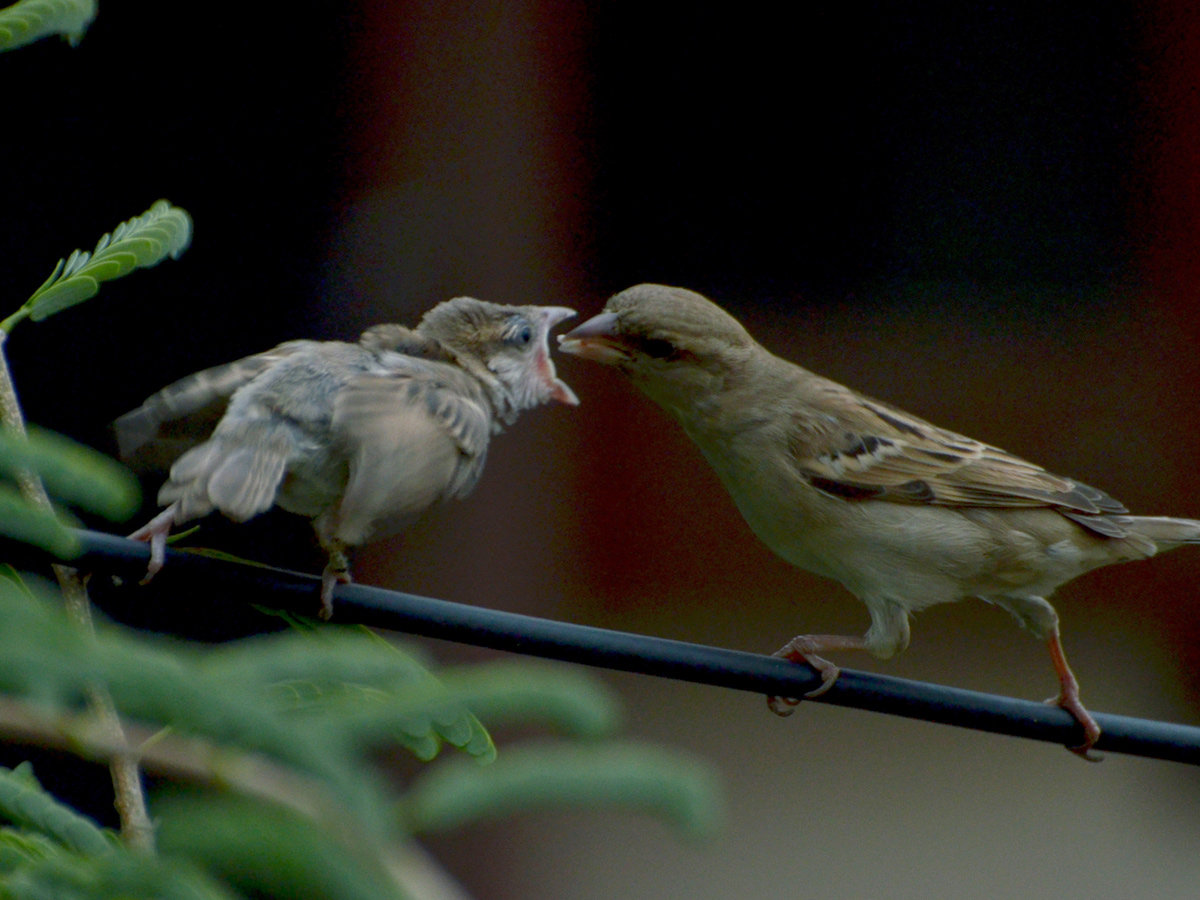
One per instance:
(508, 345)
(670, 341)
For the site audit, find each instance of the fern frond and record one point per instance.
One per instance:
(268, 851)
(437, 709)
(72, 473)
(28, 20)
(120, 876)
(22, 521)
(143, 241)
(46, 659)
(20, 846)
(359, 686)
(368, 692)
(683, 792)
(12, 578)
(554, 696)
(23, 801)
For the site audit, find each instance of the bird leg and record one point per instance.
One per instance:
(1068, 699)
(803, 648)
(336, 570)
(155, 533)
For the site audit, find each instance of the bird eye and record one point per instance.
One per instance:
(522, 335)
(658, 348)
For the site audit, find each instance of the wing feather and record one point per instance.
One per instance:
(185, 412)
(877, 452)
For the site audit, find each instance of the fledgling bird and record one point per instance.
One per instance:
(903, 513)
(361, 438)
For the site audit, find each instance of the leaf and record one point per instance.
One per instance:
(141, 242)
(53, 276)
(73, 473)
(19, 846)
(559, 697)
(267, 851)
(358, 686)
(23, 801)
(28, 20)
(44, 657)
(20, 520)
(684, 792)
(119, 876)
(70, 292)
(11, 578)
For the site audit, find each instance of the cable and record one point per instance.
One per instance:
(646, 655)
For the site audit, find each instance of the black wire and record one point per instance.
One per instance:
(650, 655)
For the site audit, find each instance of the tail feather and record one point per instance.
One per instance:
(1167, 533)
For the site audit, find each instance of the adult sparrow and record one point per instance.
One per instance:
(903, 513)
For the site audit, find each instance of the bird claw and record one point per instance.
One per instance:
(155, 533)
(1068, 699)
(783, 706)
(1091, 730)
(803, 649)
(330, 578)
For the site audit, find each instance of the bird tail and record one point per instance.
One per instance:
(1166, 533)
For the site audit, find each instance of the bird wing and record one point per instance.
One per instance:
(870, 450)
(185, 413)
(412, 439)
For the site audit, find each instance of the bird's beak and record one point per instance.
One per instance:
(559, 389)
(555, 314)
(597, 339)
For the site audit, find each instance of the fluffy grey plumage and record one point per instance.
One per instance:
(361, 437)
(903, 513)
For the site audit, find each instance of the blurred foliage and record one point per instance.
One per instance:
(70, 472)
(317, 704)
(537, 776)
(271, 741)
(29, 20)
(24, 803)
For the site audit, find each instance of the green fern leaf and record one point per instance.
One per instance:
(12, 579)
(20, 520)
(268, 851)
(119, 876)
(144, 241)
(20, 846)
(355, 684)
(558, 697)
(72, 473)
(684, 792)
(24, 802)
(28, 20)
(63, 295)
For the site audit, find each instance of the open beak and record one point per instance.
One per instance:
(597, 339)
(559, 390)
(552, 315)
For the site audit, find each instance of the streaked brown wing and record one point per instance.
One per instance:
(875, 451)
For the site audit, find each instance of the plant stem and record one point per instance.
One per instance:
(11, 322)
(136, 828)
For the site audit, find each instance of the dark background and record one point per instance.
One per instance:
(799, 159)
(984, 213)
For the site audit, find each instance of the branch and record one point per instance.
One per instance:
(130, 799)
(622, 651)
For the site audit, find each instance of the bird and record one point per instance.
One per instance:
(903, 513)
(359, 437)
